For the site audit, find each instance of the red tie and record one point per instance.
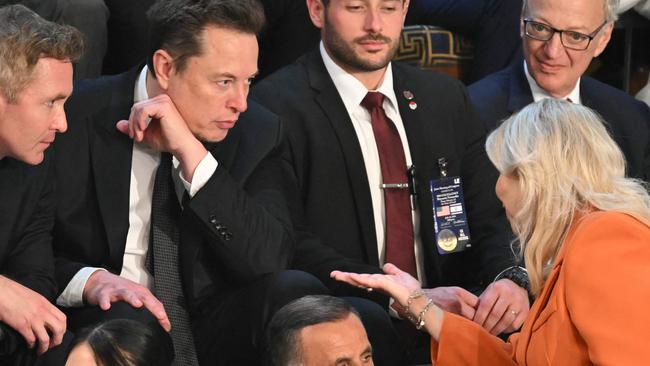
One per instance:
(397, 206)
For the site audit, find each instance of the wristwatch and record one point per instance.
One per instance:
(516, 274)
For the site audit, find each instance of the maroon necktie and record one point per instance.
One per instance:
(397, 205)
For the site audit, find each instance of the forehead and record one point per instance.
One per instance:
(227, 50)
(329, 341)
(51, 78)
(565, 14)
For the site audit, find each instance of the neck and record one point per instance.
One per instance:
(370, 79)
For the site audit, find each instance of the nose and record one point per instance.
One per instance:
(60, 123)
(238, 102)
(373, 23)
(553, 47)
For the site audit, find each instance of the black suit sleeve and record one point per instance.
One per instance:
(30, 261)
(247, 223)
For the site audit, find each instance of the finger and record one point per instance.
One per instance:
(498, 312)
(467, 311)
(57, 329)
(485, 304)
(123, 126)
(517, 323)
(131, 297)
(156, 308)
(28, 334)
(43, 339)
(104, 300)
(391, 269)
(56, 326)
(468, 298)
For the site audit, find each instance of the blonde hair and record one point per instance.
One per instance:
(566, 163)
(24, 39)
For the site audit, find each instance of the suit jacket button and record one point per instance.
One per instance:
(227, 236)
(212, 219)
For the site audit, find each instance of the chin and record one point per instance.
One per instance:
(32, 159)
(213, 137)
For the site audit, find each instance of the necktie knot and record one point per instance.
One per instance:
(373, 100)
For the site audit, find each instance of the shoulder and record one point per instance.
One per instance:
(259, 120)
(92, 95)
(290, 80)
(600, 236)
(492, 85)
(609, 100)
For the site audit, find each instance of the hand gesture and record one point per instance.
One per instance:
(104, 288)
(502, 307)
(31, 315)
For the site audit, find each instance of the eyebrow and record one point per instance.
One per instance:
(231, 76)
(580, 29)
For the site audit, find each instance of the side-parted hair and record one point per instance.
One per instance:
(25, 38)
(126, 342)
(609, 7)
(283, 346)
(176, 25)
(566, 164)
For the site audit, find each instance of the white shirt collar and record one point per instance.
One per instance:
(140, 91)
(351, 90)
(539, 93)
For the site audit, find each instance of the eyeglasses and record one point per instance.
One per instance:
(570, 39)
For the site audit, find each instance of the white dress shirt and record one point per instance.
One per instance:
(352, 91)
(539, 93)
(144, 163)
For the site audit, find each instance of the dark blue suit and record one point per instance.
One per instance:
(501, 94)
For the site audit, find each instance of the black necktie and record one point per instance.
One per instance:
(397, 205)
(165, 237)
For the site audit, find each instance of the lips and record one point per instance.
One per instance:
(549, 68)
(226, 125)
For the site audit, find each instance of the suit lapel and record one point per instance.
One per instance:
(328, 98)
(111, 153)
(520, 93)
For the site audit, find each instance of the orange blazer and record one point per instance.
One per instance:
(594, 308)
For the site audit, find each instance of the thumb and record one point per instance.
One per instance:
(123, 126)
(391, 269)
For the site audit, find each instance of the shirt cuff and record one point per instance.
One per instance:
(202, 174)
(72, 296)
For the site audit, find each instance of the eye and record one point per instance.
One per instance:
(575, 37)
(540, 28)
(50, 103)
(224, 83)
(250, 81)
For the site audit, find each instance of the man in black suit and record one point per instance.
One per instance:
(333, 149)
(36, 62)
(559, 41)
(235, 234)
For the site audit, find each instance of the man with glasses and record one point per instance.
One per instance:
(560, 38)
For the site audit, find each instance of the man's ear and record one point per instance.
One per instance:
(405, 9)
(603, 40)
(316, 12)
(163, 64)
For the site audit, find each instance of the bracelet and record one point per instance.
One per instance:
(420, 322)
(414, 295)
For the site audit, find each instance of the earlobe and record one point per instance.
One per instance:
(316, 12)
(163, 64)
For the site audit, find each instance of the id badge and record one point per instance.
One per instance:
(449, 215)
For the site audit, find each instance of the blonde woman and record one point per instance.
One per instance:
(583, 231)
